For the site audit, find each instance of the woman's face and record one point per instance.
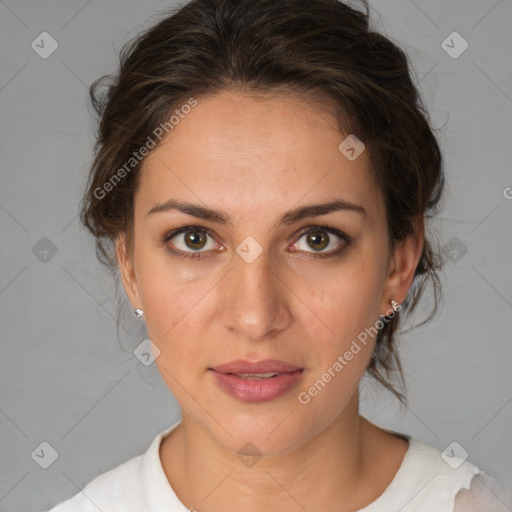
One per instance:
(248, 283)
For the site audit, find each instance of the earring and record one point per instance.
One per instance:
(396, 307)
(138, 312)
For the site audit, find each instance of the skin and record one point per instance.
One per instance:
(255, 158)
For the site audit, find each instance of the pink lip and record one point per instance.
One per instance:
(263, 366)
(261, 390)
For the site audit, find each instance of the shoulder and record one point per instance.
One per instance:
(119, 487)
(485, 495)
(137, 485)
(430, 479)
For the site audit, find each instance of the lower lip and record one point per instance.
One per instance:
(257, 390)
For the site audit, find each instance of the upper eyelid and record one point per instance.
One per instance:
(299, 234)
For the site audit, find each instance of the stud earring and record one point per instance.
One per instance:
(395, 305)
(138, 312)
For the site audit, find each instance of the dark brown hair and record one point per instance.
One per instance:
(323, 49)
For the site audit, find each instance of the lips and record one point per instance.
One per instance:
(260, 381)
(259, 367)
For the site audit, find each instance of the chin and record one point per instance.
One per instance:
(272, 433)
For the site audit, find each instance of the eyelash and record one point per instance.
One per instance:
(312, 228)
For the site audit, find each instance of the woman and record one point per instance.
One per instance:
(262, 178)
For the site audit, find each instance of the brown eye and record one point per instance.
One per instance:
(189, 241)
(317, 240)
(195, 239)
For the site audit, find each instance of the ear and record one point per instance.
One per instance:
(127, 271)
(403, 265)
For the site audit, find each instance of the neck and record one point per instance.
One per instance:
(333, 467)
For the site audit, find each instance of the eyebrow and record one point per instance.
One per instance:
(302, 212)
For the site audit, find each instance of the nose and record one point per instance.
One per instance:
(256, 300)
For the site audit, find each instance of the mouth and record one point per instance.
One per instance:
(255, 376)
(266, 367)
(262, 381)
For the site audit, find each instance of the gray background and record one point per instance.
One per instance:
(65, 378)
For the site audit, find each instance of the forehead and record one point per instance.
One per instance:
(246, 152)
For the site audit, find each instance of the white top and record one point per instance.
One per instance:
(424, 482)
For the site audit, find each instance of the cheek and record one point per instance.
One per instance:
(172, 308)
(170, 289)
(344, 299)
(339, 356)
(173, 324)
(342, 332)
(179, 304)
(174, 316)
